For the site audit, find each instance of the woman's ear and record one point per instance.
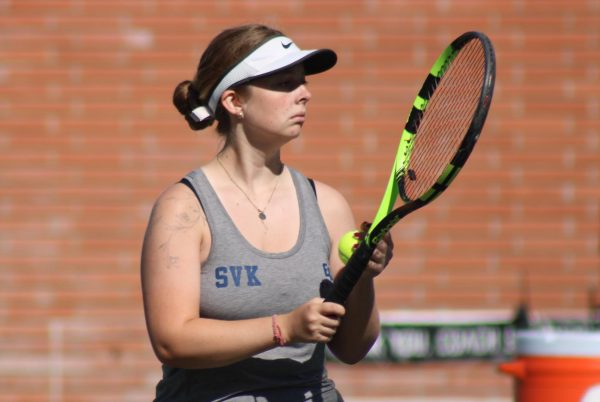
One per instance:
(232, 102)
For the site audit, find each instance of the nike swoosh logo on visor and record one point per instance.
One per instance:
(285, 46)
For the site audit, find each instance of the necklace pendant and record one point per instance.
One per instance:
(262, 215)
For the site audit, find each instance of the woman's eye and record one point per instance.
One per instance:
(290, 84)
(287, 84)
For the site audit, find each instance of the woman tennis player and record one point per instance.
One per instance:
(234, 253)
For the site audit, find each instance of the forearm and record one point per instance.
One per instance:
(206, 343)
(360, 326)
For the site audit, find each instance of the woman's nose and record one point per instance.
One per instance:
(305, 94)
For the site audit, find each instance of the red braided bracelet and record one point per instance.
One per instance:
(277, 337)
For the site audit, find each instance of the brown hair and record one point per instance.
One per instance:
(225, 51)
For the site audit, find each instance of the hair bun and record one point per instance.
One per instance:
(185, 99)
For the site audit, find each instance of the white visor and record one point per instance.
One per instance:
(275, 54)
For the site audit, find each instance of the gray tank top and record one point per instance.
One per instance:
(239, 281)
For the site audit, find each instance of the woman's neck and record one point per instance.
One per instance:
(251, 165)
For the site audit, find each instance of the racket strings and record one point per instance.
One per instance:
(446, 120)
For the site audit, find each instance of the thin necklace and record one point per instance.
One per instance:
(261, 212)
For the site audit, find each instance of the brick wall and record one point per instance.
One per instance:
(88, 138)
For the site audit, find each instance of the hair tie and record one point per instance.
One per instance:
(199, 113)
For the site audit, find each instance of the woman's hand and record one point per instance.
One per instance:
(312, 322)
(382, 254)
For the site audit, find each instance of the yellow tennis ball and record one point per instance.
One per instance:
(346, 245)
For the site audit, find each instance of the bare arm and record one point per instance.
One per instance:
(175, 241)
(359, 328)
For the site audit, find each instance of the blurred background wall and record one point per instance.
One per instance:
(89, 138)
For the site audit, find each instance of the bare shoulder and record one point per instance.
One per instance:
(177, 208)
(329, 196)
(176, 224)
(334, 207)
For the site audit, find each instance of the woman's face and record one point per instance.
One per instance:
(275, 105)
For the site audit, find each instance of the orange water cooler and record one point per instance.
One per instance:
(556, 366)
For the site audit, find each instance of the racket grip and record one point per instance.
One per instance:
(345, 281)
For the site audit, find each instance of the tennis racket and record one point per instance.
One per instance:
(442, 128)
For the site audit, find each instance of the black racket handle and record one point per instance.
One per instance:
(344, 283)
